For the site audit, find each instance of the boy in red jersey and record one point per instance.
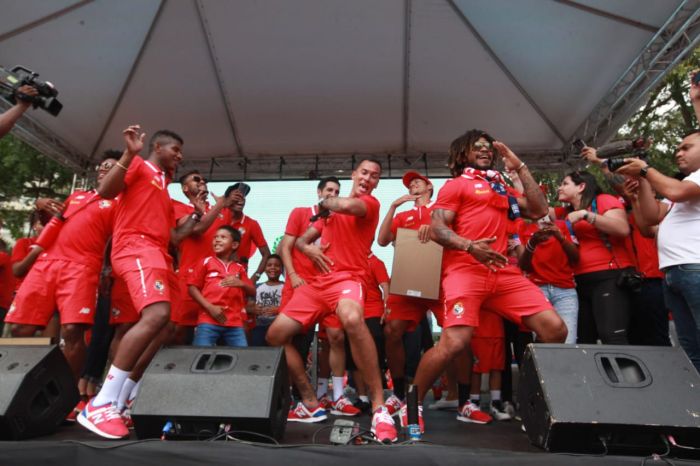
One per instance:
(338, 292)
(220, 286)
(194, 248)
(66, 275)
(142, 233)
(470, 220)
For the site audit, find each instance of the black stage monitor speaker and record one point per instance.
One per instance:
(598, 398)
(37, 391)
(197, 393)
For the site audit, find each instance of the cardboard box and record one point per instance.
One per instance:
(417, 266)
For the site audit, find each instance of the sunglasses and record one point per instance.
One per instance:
(105, 166)
(199, 179)
(481, 145)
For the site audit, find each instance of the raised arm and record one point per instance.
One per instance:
(113, 182)
(385, 236)
(534, 204)
(10, 117)
(344, 205)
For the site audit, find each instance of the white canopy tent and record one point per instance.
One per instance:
(264, 89)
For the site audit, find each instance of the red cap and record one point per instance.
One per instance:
(412, 175)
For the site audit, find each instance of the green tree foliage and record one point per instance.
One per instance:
(25, 175)
(665, 117)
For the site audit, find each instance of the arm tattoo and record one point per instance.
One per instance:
(443, 234)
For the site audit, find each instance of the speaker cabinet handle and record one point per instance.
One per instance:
(622, 370)
(213, 362)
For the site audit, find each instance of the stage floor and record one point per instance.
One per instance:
(446, 442)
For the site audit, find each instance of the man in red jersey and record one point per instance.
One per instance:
(339, 291)
(299, 271)
(470, 219)
(404, 313)
(142, 233)
(194, 248)
(66, 275)
(251, 233)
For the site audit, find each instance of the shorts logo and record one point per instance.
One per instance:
(346, 291)
(85, 310)
(458, 310)
(115, 312)
(104, 204)
(158, 285)
(12, 308)
(214, 274)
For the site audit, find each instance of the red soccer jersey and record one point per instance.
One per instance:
(647, 253)
(374, 301)
(19, 252)
(84, 235)
(195, 247)
(251, 234)
(7, 280)
(412, 219)
(549, 263)
(297, 224)
(479, 211)
(207, 276)
(595, 256)
(349, 238)
(145, 209)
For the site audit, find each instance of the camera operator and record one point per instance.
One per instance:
(10, 117)
(678, 238)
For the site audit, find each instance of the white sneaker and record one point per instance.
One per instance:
(509, 408)
(498, 412)
(444, 404)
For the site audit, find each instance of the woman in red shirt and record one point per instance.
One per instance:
(600, 224)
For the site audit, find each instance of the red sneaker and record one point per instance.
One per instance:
(470, 412)
(403, 416)
(74, 414)
(383, 426)
(393, 405)
(302, 414)
(104, 420)
(343, 407)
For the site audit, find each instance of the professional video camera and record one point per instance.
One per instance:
(19, 76)
(616, 152)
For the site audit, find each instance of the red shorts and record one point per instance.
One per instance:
(148, 274)
(506, 292)
(374, 308)
(317, 301)
(413, 309)
(184, 311)
(489, 354)
(52, 284)
(122, 310)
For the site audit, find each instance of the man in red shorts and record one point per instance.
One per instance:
(300, 270)
(194, 247)
(338, 292)
(470, 219)
(142, 233)
(403, 312)
(66, 275)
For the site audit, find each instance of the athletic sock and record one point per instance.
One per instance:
(495, 395)
(321, 387)
(109, 393)
(129, 384)
(135, 391)
(463, 390)
(337, 388)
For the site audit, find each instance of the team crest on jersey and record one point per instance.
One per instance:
(115, 312)
(458, 310)
(104, 204)
(158, 285)
(241, 230)
(155, 182)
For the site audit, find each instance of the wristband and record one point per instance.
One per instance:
(292, 273)
(196, 216)
(520, 167)
(529, 247)
(119, 164)
(593, 219)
